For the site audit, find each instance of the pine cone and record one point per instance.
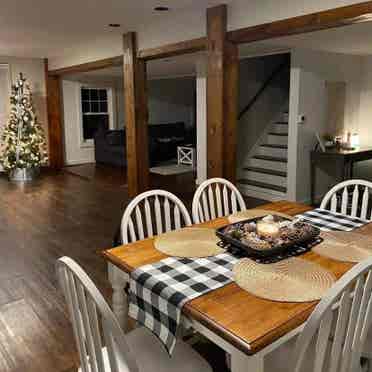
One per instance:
(256, 243)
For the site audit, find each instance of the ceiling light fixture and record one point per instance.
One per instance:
(161, 8)
(114, 25)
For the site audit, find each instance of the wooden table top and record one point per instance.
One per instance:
(246, 321)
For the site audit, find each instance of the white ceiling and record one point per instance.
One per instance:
(355, 39)
(45, 28)
(49, 28)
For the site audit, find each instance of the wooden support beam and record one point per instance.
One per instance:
(216, 32)
(136, 116)
(55, 127)
(337, 17)
(231, 96)
(222, 80)
(175, 49)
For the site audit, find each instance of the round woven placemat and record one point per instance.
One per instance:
(253, 213)
(189, 242)
(344, 246)
(292, 280)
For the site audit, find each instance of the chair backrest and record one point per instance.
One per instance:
(90, 314)
(214, 198)
(337, 329)
(354, 194)
(153, 213)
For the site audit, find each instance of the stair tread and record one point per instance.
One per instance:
(282, 122)
(274, 146)
(266, 171)
(270, 158)
(263, 185)
(278, 134)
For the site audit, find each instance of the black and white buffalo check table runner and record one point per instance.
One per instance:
(327, 220)
(158, 291)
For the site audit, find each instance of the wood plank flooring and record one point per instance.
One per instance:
(59, 214)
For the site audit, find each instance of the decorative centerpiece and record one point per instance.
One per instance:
(268, 235)
(23, 142)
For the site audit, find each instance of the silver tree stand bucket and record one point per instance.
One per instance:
(23, 174)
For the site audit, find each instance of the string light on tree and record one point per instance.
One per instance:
(23, 140)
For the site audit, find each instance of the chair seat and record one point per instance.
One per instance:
(152, 357)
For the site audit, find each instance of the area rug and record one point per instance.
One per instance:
(171, 169)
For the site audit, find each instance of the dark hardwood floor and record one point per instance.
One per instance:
(59, 214)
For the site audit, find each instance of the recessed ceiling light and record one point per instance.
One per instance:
(161, 8)
(114, 25)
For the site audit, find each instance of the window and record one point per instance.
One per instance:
(94, 107)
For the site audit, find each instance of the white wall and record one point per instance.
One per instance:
(187, 24)
(364, 169)
(311, 72)
(75, 153)
(170, 100)
(75, 150)
(33, 70)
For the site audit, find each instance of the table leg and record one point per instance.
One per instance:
(244, 363)
(312, 181)
(346, 170)
(119, 298)
(351, 170)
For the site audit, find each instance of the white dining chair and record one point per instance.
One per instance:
(214, 198)
(152, 213)
(101, 343)
(354, 196)
(335, 334)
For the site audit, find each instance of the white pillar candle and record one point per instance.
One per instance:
(267, 229)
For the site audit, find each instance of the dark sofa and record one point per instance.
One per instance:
(109, 145)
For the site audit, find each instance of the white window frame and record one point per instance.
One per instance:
(110, 107)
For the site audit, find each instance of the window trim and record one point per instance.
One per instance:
(110, 112)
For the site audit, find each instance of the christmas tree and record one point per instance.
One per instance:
(23, 140)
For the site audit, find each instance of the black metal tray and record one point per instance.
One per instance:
(278, 250)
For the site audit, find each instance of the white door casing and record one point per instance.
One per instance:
(5, 89)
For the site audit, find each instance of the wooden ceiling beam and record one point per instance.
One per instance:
(332, 18)
(175, 49)
(89, 66)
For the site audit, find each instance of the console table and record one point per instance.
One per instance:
(343, 158)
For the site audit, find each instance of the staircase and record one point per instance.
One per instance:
(264, 175)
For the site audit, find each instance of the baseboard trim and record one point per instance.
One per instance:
(79, 162)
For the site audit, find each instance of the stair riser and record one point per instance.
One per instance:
(267, 164)
(270, 151)
(277, 140)
(261, 193)
(279, 128)
(263, 177)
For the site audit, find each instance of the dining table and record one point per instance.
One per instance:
(247, 327)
